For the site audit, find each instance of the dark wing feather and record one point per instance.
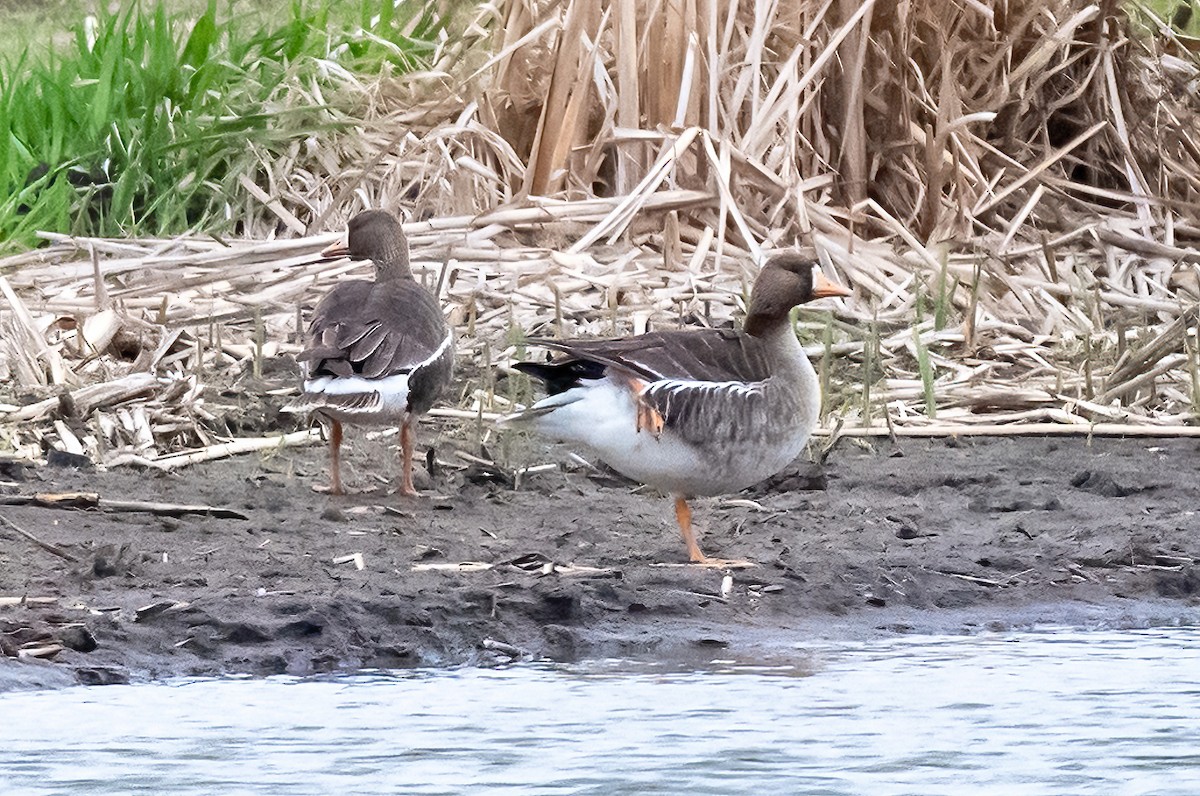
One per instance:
(562, 375)
(373, 329)
(691, 354)
(367, 347)
(385, 353)
(734, 364)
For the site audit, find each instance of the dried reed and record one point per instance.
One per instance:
(1023, 173)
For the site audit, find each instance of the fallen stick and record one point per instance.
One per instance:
(224, 449)
(582, 571)
(355, 558)
(1020, 430)
(47, 546)
(170, 509)
(8, 602)
(93, 396)
(43, 651)
(1146, 247)
(465, 414)
(969, 578)
(92, 500)
(463, 566)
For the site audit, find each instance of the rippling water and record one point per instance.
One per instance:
(1052, 712)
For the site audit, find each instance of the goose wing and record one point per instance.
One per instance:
(709, 355)
(373, 330)
(704, 385)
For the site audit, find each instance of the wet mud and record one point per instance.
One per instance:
(885, 538)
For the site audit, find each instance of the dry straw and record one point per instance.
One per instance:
(1010, 188)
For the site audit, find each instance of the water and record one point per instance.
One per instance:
(1053, 712)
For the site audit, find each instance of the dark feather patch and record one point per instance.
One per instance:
(563, 375)
(373, 330)
(693, 354)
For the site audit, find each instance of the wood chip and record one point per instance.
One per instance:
(154, 609)
(356, 558)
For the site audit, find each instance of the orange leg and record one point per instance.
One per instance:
(683, 515)
(335, 458)
(406, 455)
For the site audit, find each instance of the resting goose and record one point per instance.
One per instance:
(693, 412)
(376, 353)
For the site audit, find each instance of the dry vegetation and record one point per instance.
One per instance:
(1010, 188)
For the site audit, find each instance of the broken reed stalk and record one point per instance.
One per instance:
(92, 500)
(170, 461)
(969, 322)
(1089, 391)
(765, 119)
(942, 430)
(259, 340)
(1194, 369)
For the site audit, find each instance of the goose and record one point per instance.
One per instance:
(695, 412)
(376, 353)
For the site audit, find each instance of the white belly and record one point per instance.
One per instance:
(603, 417)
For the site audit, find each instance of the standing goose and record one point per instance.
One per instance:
(376, 353)
(694, 412)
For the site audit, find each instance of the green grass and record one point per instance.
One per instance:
(925, 368)
(143, 122)
(1181, 15)
(944, 296)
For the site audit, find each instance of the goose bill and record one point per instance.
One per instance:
(340, 248)
(824, 288)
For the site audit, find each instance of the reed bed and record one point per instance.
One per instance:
(1009, 188)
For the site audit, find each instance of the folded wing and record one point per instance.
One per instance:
(373, 330)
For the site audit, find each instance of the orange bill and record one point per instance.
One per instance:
(339, 248)
(824, 288)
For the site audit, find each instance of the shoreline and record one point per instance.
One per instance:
(884, 540)
(691, 644)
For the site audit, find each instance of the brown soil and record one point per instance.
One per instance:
(920, 536)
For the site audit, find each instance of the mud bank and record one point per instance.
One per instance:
(883, 539)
